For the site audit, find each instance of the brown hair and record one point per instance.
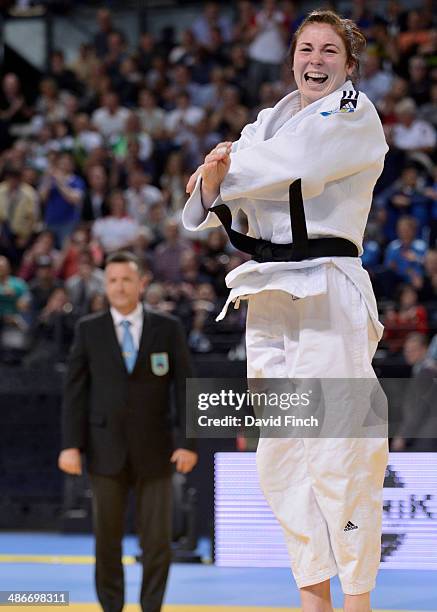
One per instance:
(353, 39)
(124, 257)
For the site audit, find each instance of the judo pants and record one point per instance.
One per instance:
(326, 493)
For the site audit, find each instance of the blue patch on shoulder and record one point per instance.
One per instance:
(337, 110)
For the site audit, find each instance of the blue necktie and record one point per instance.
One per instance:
(128, 347)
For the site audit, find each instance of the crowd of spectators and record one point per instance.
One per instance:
(98, 161)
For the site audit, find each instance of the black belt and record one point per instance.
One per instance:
(301, 248)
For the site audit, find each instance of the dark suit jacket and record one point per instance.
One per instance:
(88, 210)
(111, 414)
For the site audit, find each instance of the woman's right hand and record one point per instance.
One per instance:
(213, 170)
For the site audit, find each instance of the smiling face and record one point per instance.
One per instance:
(320, 62)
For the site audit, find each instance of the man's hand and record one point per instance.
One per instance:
(184, 459)
(398, 444)
(70, 461)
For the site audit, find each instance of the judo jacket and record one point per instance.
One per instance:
(336, 146)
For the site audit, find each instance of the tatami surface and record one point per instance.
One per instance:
(39, 562)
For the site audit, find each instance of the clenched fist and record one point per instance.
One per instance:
(212, 171)
(70, 461)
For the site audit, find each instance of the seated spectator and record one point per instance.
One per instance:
(152, 117)
(18, 214)
(154, 297)
(44, 148)
(105, 29)
(43, 284)
(157, 77)
(100, 85)
(179, 298)
(62, 192)
(428, 111)
(431, 193)
(14, 109)
(410, 133)
(191, 272)
(95, 203)
(212, 92)
(215, 53)
(267, 97)
(146, 51)
(98, 303)
(230, 119)
(14, 304)
(128, 81)
(418, 428)
(182, 82)
(185, 51)
(426, 285)
(243, 21)
(155, 223)
(86, 137)
(115, 56)
(14, 292)
(173, 181)
(78, 243)
(415, 34)
(408, 316)
(140, 196)
(83, 286)
(199, 143)
(205, 309)
(183, 119)
(117, 231)
(371, 256)
(387, 104)
(419, 86)
(237, 73)
(52, 332)
(62, 136)
(131, 162)
(64, 78)
(132, 132)
(268, 46)
(168, 254)
(211, 18)
(85, 64)
(110, 118)
(405, 255)
(72, 105)
(214, 259)
(49, 106)
(143, 250)
(44, 246)
(406, 196)
(375, 82)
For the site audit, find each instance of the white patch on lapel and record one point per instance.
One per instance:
(159, 363)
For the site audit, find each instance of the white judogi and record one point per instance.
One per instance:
(336, 146)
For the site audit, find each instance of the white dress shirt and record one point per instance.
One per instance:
(115, 233)
(135, 319)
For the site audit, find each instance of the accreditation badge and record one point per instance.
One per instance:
(159, 363)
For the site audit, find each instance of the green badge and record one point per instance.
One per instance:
(159, 363)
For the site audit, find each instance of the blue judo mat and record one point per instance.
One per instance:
(190, 584)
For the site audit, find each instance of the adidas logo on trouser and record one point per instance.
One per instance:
(350, 526)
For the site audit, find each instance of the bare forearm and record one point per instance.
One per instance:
(73, 196)
(208, 196)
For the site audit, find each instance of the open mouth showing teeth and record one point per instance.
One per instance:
(315, 77)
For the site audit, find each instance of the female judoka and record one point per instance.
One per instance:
(304, 174)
